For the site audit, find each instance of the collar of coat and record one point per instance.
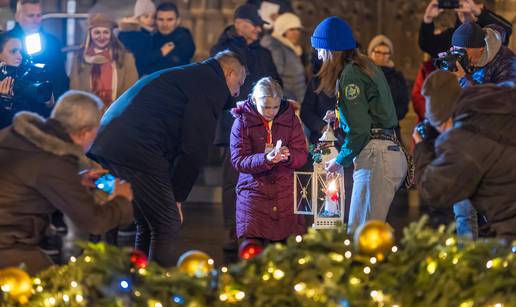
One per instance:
(29, 125)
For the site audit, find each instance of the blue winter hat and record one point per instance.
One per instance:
(333, 34)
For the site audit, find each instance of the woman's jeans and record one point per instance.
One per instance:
(380, 169)
(466, 219)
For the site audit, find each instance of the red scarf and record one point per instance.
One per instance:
(102, 76)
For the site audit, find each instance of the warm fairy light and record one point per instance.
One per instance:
(73, 259)
(74, 284)
(372, 260)
(137, 293)
(6, 288)
(498, 305)
(224, 269)
(489, 264)
(450, 241)
(354, 281)
(455, 260)
(270, 270)
(348, 254)
(367, 270)
(329, 274)
(142, 271)
(211, 261)
(266, 277)
(66, 298)
(301, 261)
(299, 239)
(39, 288)
(431, 267)
(87, 259)
(347, 242)
(336, 257)
(278, 274)
(223, 297)
(443, 255)
(240, 295)
(377, 295)
(37, 281)
(394, 249)
(300, 287)
(52, 301)
(79, 298)
(158, 304)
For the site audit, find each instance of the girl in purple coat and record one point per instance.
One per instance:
(265, 207)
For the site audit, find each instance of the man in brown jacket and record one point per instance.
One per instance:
(41, 162)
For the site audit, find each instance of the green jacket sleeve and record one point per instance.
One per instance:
(354, 114)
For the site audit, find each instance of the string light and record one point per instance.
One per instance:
(348, 254)
(37, 281)
(301, 261)
(347, 242)
(142, 271)
(299, 239)
(137, 293)
(300, 287)
(455, 260)
(367, 270)
(223, 297)
(278, 274)
(6, 288)
(224, 269)
(431, 267)
(498, 305)
(74, 284)
(79, 298)
(489, 264)
(66, 298)
(52, 301)
(336, 257)
(450, 241)
(354, 281)
(73, 259)
(158, 304)
(39, 288)
(372, 260)
(87, 259)
(329, 274)
(266, 277)
(240, 295)
(211, 261)
(394, 249)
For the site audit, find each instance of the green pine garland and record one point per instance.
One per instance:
(321, 268)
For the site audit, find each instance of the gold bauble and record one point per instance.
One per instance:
(195, 263)
(17, 283)
(374, 238)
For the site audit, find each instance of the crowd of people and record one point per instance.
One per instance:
(140, 109)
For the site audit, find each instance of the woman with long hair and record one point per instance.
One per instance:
(103, 66)
(366, 112)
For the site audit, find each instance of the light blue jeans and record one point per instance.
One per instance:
(466, 219)
(380, 169)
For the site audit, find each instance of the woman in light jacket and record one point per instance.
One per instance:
(103, 66)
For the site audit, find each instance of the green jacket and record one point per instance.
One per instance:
(364, 103)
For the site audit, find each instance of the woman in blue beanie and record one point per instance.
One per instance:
(366, 112)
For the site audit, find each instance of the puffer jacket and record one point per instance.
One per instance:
(475, 159)
(265, 203)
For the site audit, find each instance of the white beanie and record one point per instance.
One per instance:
(143, 7)
(285, 22)
(380, 40)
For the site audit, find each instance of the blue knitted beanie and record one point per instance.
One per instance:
(333, 34)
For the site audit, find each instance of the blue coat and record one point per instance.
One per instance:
(164, 124)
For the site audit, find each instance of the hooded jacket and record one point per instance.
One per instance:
(265, 204)
(475, 159)
(40, 166)
(497, 63)
(259, 64)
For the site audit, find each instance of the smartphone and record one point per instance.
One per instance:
(106, 183)
(448, 4)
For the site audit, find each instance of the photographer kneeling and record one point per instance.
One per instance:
(41, 162)
(474, 156)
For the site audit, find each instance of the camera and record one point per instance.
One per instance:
(30, 83)
(426, 130)
(449, 61)
(448, 4)
(106, 183)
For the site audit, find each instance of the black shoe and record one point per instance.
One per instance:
(52, 245)
(58, 224)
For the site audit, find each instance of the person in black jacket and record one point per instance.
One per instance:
(28, 21)
(469, 11)
(474, 156)
(156, 136)
(243, 39)
(380, 51)
(172, 45)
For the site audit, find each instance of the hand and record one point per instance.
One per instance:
(330, 116)
(178, 204)
(432, 11)
(123, 189)
(88, 177)
(460, 73)
(416, 137)
(283, 154)
(167, 48)
(6, 86)
(332, 167)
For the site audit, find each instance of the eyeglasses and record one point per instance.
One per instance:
(381, 53)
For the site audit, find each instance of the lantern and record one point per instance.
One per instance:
(318, 194)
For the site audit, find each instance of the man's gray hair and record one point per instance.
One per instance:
(229, 59)
(77, 110)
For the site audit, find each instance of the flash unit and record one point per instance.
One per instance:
(33, 43)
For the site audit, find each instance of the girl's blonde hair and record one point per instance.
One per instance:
(266, 87)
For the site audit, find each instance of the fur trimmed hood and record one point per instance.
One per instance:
(29, 126)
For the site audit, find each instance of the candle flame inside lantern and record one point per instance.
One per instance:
(332, 186)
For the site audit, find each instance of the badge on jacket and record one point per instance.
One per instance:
(351, 91)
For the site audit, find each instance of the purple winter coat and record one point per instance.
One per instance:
(264, 203)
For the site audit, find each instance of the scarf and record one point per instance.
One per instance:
(103, 74)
